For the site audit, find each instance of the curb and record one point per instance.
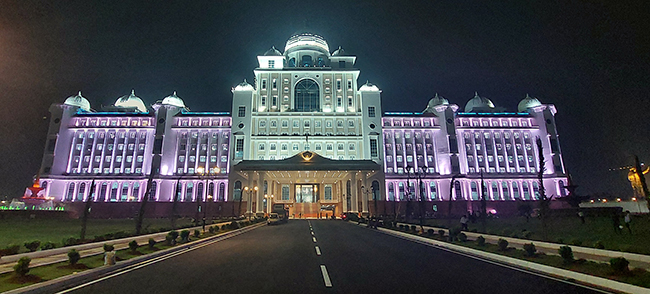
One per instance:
(532, 266)
(68, 281)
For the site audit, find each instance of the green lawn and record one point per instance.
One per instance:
(19, 231)
(568, 230)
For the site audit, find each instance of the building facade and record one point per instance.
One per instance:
(304, 134)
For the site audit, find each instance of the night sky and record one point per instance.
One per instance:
(590, 59)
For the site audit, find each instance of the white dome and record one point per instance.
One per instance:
(478, 103)
(131, 100)
(244, 86)
(369, 87)
(307, 40)
(528, 102)
(435, 101)
(78, 101)
(173, 100)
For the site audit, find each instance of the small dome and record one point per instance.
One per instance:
(435, 101)
(129, 101)
(338, 52)
(78, 101)
(478, 103)
(369, 87)
(244, 86)
(173, 100)
(306, 41)
(273, 52)
(528, 102)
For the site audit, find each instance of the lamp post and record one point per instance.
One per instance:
(204, 175)
(269, 203)
(207, 205)
(250, 199)
(366, 192)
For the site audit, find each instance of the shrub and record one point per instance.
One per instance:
(453, 233)
(197, 233)
(48, 245)
(462, 237)
(566, 253)
(401, 227)
(503, 244)
(133, 245)
(619, 265)
(441, 232)
(530, 249)
(599, 245)
(430, 232)
(121, 235)
(560, 241)
(173, 235)
(152, 243)
(108, 247)
(414, 228)
(211, 230)
(99, 239)
(480, 241)
(33, 245)
(73, 256)
(10, 250)
(528, 234)
(185, 235)
(70, 241)
(224, 227)
(576, 242)
(22, 266)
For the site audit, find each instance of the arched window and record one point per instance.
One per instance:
(433, 191)
(459, 191)
(306, 61)
(189, 188)
(222, 191)
(400, 187)
(211, 191)
(199, 192)
(536, 190)
(474, 191)
(526, 191)
(136, 191)
(504, 188)
(237, 191)
(306, 96)
(70, 195)
(375, 191)
(114, 192)
(82, 191)
(495, 191)
(562, 188)
(153, 191)
(391, 192)
(125, 192)
(292, 62)
(102, 193)
(515, 190)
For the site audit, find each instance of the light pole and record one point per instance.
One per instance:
(368, 192)
(204, 175)
(250, 199)
(269, 203)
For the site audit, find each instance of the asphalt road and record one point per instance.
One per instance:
(284, 259)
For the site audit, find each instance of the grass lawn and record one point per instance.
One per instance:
(568, 230)
(19, 231)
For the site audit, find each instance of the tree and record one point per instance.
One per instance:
(544, 202)
(451, 191)
(639, 173)
(143, 204)
(84, 219)
(483, 204)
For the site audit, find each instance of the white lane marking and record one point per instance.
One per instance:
(314, 238)
(326, 277)
(312, 233)
(151, 261)
(317, 251)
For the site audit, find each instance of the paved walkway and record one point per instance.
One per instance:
(57, 255)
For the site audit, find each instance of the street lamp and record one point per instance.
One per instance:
(368, 192)
(269, 202)
(204, 174)
(207, 205)
(250, 199)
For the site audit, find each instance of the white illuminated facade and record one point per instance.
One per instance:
(307, 135)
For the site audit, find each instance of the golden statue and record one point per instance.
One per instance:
(635, 181)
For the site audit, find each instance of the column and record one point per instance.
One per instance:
(343, 195)
(354, 200)
(364, 199)
(260, 192)
(248, 195)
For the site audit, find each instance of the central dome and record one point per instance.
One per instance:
(306, 41)
(131, 101)
(479, 103)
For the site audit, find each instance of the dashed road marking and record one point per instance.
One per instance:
(314, 239)
(317, 251)
(326, 277)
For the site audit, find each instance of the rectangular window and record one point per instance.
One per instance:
(371, 111)
(338, 85)
(328, 192)
(264, 84)
(271, 63)
(339, 101)
(263, 102)
(349, 84)
(285, 192)
(239, 148)
(272, 146)
(242, 111)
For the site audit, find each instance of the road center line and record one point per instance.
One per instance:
(326, 277)
(317, 251)
(314, 238)
(312, 233)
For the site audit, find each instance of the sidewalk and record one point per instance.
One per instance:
(45, 257)
(593, 254)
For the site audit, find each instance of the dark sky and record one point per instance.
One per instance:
(590, 59)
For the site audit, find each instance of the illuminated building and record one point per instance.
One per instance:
(307, 133)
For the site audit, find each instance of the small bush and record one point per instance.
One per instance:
(73, 256)
(528, 234)
(152, 243)
(22, 266)
(599, 245)
(10, 250)
(108, 247)
(121, 235)
(576, 242)
(133, 245)
(619, 265)
(99, 239)
(185, 235)
(70, 241)
(33, 245)
(224, 227)
(197, 233)
(503, 244)
(441, 232)
(401, 227)
(48, 245)
(211, 230)
(173, 235)
(453, 233)
(530, 249)
(414, 228)
(566, 253)
(462, 237)
(560, 241)
(430, 232)
(480, 241)
(169, 241)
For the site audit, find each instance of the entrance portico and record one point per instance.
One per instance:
(309, 184)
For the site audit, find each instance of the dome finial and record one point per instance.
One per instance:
(79, 93)
(132, 92)
(436, 96)
(475, 93)
(174, 94)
